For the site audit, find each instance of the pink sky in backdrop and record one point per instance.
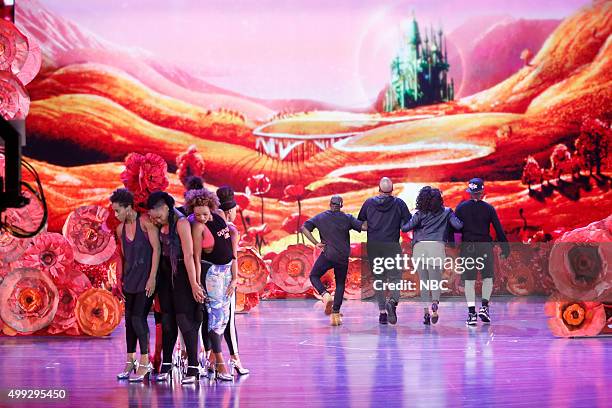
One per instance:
(332, 51)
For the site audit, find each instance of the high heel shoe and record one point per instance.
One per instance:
(191, 379)
(235, 365)
(141, 377)
(219, 376)
(132, 366)
(434, 312)
(164, 376)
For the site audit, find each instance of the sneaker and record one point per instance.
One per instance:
(382, 319)
(471, 320)
(391, 307)
(483, 313)
(336, 319)
(328, 301)
(427, 319)
(434, 313)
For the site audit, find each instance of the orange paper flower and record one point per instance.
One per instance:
(98, 312)
(573, 319)
(92, 242)
(28, 300)
(252, 271)
(291, 268)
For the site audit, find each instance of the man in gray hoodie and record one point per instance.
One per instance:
(385, 215)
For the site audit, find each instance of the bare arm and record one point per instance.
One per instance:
(153, 235)
(364, 226)
(196, 235)
(184, 232)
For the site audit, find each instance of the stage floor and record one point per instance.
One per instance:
(297, 359)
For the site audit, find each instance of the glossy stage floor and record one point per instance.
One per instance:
(297, 359)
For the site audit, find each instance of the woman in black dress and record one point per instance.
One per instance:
(180, 295)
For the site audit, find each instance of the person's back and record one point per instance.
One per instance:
(334, 227)
(477, 217)
(432, 226)
(385, 215)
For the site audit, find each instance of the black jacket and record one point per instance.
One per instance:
(385, 216)
(432, 226)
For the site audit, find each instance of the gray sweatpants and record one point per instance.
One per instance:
(428, 260)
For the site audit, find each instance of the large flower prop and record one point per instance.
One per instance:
(98, 312)
(575, 319)
(190, 163)
(252, 271)
(291, 268)
(580, 263)
(28, 300)
(92, 242)
(143, 175)
(51, 253)
(65, 319)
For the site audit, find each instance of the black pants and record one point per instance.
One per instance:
(137, 306)
(321, 266)
(481, 260)
(179, 310)
(378, 252)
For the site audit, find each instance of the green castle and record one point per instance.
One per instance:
(419, 71)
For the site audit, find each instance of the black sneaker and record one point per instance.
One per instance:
(382, 319)
(434, 313)
(483, 313)
(391, 306)
(471, 320)
(427, 319)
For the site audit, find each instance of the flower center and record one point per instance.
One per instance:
(585, 263)
(47, 258)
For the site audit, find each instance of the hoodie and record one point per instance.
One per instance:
(385, 216)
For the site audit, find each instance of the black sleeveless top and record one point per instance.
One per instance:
(137, 260)
(222, 252)
(172, 250)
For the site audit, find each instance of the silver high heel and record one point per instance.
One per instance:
(190, 379)
(234, 365)
(147, 374)
(164, 376)
(221, 376)
(124, 375)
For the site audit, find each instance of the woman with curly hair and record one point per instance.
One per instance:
(430, 225)
(179, 291)
(219, 267)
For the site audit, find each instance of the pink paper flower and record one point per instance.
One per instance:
(91, 241)
(51, 253)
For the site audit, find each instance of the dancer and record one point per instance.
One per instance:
(192, 183)
(334, 227)
(385, 215)
(227, 210)
(139, 242)
(180, 295)
(477, 243)
(430, 225)
(220, 278)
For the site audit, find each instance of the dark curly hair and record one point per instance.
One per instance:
(123, 197)
(201, 197)
(430, 200)
(194, 183)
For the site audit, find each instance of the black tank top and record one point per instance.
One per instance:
(222, 252)
(137, 260)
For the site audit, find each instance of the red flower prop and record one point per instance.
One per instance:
(92, 242)
(5, 269)
(258, 185)
(291, 268)
(242, 200)
(246, 241)
(293, 223)
(246, 302)
(51, 253)
(273, 291)
(580, 263)
(573, 319)
(295, 192)
(28, 300)
(65, 319)
(357, 250)
(11, 247)
(32, 64)
(14, 99)
(252, 271)
(190, 163)
(111, 222)
(14, 47)
(98, 312)
(144, 175)
(352, 289)
(521, 282)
